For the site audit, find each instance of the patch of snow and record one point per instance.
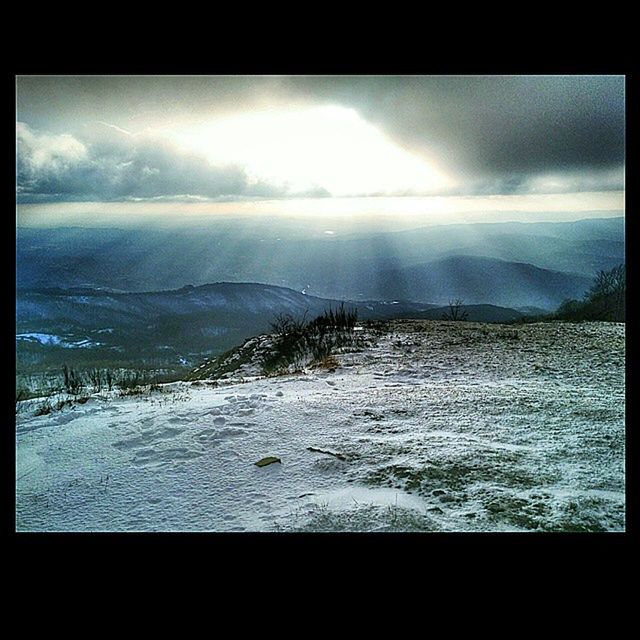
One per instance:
(53, 340)
(42, 338)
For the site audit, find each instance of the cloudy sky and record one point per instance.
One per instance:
(320, 144)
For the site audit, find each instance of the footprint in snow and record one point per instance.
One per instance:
(106, 407)
(141, 439)
(214, 436)
(153, 457)
(66, 417)
(229, 432)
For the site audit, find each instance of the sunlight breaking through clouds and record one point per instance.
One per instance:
(299, 141)
(325, 147)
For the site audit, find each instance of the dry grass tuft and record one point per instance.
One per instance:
(328, 362)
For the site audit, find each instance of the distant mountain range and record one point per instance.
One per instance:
(90, 295)
(180, 326)
(480, 279)
(534, 264)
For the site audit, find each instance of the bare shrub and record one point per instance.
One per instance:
(456, 311)
(298, 342)
(44, 408)
(72, 380)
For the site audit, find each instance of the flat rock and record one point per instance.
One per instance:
(268, 460)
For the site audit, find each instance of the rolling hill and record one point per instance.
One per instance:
(354, 266)
(179, 326)
(477, 279)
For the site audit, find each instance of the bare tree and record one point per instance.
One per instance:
(607, 294)
(608, 282)
(604, 301)
(456, 311)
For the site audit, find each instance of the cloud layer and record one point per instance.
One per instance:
(111, 164)
(497, 135)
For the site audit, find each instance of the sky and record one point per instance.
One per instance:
(430, 148)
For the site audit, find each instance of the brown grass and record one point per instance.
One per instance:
(328, 362)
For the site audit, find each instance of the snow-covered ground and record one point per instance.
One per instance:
(437, 426)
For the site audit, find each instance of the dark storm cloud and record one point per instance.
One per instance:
(498, 129)
(495, 134)
(113, 165)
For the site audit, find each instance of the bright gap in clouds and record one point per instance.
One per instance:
(302, 149)
(332, 214)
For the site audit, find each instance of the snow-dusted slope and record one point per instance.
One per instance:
(437, 426)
